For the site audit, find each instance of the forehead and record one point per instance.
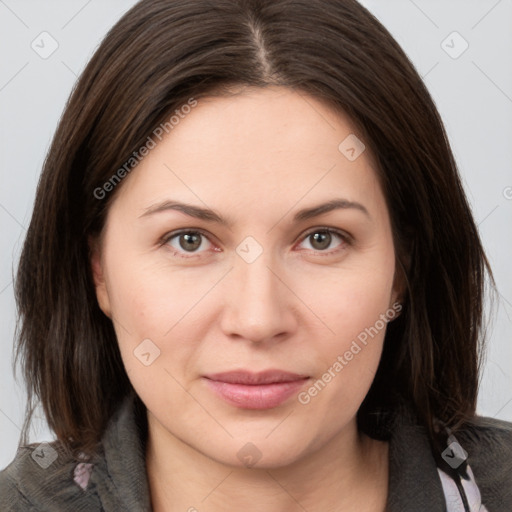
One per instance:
(259, 147)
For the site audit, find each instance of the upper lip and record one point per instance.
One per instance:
(264, 377)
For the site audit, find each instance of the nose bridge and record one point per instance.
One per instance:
(258, 285)
(257, 305)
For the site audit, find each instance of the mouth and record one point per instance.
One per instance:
(262, 390)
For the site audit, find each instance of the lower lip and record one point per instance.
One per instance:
(264, 396)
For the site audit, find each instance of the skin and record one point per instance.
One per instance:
(256, 158)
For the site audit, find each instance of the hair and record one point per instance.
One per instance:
(155, 59)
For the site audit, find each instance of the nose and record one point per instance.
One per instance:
(258, 305)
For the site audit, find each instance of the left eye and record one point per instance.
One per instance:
(192, 241)
(320, 239)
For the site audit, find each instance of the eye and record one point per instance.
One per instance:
(186, 241)
(321, 239)
(192, 241)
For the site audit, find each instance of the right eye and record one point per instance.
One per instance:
(185, 241)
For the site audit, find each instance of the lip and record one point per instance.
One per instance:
(262, 390)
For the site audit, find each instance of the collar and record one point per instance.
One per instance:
(121, 479)
(120, 476)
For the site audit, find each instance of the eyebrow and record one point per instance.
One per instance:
(211, 216)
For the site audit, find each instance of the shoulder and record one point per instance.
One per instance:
(42, 477)
(11, 497)
(488, 443)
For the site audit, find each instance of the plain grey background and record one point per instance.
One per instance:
(462, 49)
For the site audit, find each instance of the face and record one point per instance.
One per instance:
(268, 278)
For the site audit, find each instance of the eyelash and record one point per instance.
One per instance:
(345, 237)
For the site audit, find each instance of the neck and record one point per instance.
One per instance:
(348, 473)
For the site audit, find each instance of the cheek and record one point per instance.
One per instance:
(136, 302)
(354, 300)
(348, 365)
(354, 307)
(154, 317)
(142, 295)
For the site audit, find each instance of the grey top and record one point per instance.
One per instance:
(40, 478)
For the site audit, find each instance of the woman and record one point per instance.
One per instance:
(252, 278)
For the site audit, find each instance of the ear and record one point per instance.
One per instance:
(96, 262)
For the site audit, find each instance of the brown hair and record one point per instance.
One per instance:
(158, 56)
